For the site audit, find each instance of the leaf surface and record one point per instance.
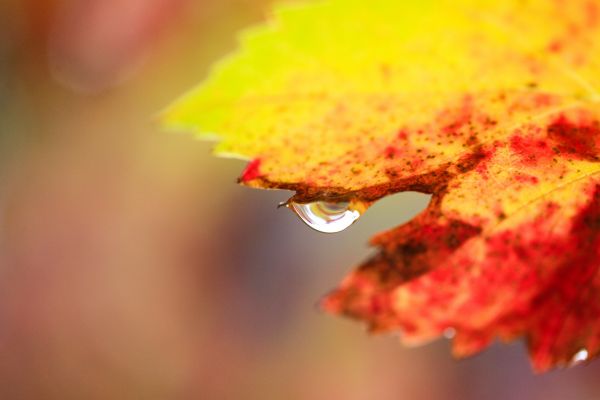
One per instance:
(491, 106)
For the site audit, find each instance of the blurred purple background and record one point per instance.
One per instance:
(133, 267)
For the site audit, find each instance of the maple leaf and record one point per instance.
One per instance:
(490, 106)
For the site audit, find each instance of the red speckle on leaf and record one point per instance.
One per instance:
(543, 100)
(555, 46)
(252, 171)
(402, 134)
(379, 303)
(526, 179)
(531, 150)
(578, 138)
(564, 136)
(461, 119)
(482, 166)
(415, 164)
(391, 152)
(455, 121)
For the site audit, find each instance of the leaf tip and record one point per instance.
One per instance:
(251, 172)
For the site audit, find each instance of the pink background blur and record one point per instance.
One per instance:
(133, 267)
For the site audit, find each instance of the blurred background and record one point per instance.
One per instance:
(133, 267)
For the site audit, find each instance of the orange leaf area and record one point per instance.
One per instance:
(493, 107)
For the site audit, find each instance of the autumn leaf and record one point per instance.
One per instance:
(491, 106)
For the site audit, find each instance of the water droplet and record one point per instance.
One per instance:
(579, 357)
(449, 333)
(329, 216)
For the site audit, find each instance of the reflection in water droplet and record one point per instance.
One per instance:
(580, 356)
(329, 217)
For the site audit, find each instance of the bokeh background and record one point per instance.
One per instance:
(133, 267)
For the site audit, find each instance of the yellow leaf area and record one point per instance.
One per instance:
(491, 106)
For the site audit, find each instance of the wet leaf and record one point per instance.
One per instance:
(491, 106)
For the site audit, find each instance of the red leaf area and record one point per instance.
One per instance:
(529, 279)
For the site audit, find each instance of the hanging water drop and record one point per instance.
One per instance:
(579, 357)
(329, 216)
(449, 333)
